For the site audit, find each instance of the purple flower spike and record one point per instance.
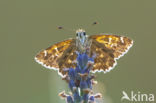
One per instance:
(80, 80)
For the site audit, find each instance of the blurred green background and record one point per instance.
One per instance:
(28, 26)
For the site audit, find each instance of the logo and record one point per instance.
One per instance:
(137, 97)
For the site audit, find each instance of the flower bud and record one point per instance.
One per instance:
(72, 85)
(77, 97)
(85, 98)
(70, 99)
(71, 73)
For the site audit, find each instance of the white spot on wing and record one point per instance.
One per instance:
(45, 53)
(121, 38)
(56, 49)
(109, 40)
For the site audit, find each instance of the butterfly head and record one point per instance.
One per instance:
(81, 36)
(82, 41)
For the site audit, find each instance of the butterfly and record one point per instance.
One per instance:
(107, 48)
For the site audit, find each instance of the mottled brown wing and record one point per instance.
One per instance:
(58, 56)
(108, 48)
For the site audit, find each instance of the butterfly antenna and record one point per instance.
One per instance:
(93, 24)
(66, 29)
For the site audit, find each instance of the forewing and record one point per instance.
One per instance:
(108, 48)
(119, 44)
(51, 57)
(68, 59)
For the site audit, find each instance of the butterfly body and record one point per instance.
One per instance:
(63, 55)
